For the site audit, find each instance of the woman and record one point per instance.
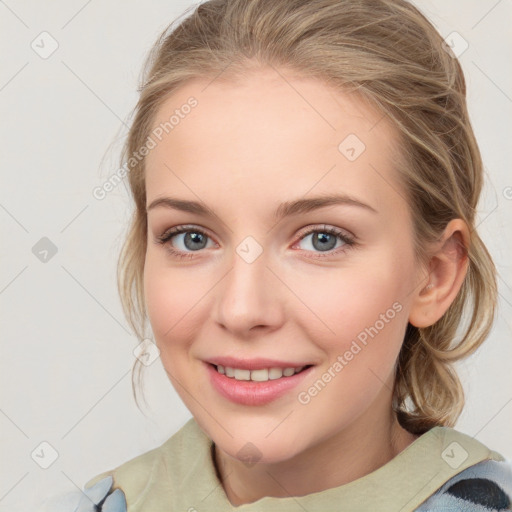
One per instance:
(319, 378)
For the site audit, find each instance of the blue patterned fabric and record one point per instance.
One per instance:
(484, 487)
(101, 497)
(97, 498)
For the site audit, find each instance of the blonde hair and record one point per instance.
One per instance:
(389, 54)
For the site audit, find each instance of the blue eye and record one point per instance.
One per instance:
(324, 240)
(193, 240)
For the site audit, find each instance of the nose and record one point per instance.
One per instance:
(249, 298)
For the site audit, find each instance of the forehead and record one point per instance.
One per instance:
(271, 133)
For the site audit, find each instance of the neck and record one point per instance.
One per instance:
(371, 441)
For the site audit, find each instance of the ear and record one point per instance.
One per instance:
(447, 268)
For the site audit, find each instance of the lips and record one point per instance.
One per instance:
(253, 392)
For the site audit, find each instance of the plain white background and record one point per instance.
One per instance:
(66, 358)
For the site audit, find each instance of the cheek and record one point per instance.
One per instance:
(159, 303)
(360, 335)
(169, 302)
(347, 301)
(359, 316)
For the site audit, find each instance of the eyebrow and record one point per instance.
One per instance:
(286, 209)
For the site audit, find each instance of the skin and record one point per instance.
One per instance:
(248, 146)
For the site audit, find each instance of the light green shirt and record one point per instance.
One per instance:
(180, 476)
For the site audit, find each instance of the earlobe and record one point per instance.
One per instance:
(448, 267)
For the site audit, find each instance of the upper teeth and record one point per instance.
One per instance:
(258, 375)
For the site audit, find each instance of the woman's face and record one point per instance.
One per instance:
(271, 275)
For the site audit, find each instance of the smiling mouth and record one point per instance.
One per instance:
(260, 375)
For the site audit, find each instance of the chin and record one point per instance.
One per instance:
(251, 446)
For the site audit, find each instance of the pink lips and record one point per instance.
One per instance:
(251, 392)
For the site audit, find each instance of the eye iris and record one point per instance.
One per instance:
(322, 238)
(194, 238)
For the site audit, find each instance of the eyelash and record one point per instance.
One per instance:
(171, 233)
